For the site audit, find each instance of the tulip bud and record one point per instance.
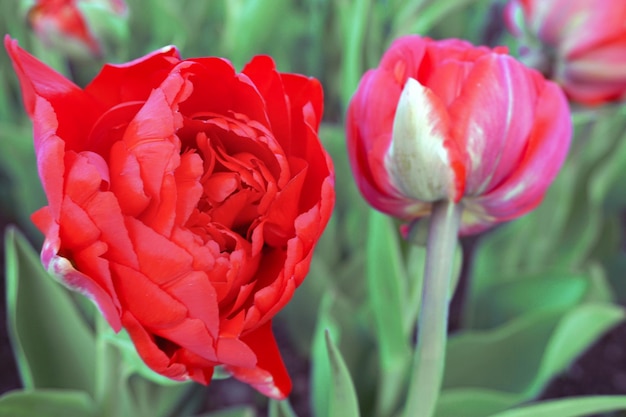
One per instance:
(448, 120)
(77, 27)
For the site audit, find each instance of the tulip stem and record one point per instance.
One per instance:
(432, 327)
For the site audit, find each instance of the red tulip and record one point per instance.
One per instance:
(447, 120)
(185, 199)
(580, 44)
(63, 22)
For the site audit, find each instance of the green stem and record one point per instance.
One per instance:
(428, 362)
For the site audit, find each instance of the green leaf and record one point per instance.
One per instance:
(600, 290)
(473, 402)
(504, 359)
(521, 356)
(353, 18)
(112, 393)
(20, 192)
(577, 330)
(387, 289)
(320, 366)
(607, 179)
(343, 401)
(281, 409)
(424, 17)
(48, 403)
(508, 300)
(53, 345)
(260, 18)
(131, 361)
(147, 398)
(569, 407)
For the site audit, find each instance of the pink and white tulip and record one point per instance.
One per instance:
(447, 120)
(580, 44)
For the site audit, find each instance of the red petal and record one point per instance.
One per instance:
(65, 18)
(50, 151)
(104, 211)
(188, 187)
(230, 93)
(234, 352)
(126, 182)
(154, 357)
(192, 335)
(65, 97)
(197, 294)
(150, 304)
(262, 71)
(134, 80)
(270, 376)
(161, 260)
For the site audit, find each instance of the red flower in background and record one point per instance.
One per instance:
(64, 21)
(447, 120)
(185, 199)
(581, 44)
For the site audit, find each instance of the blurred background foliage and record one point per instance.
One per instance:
(533, 294)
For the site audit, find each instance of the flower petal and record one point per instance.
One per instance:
(67, 100)
(270, 376)
(418, 160)
(547, 148)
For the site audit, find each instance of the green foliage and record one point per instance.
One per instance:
(47, 402)
(388, 290)
(521, 356)
(321, 368)
(343, 401)
(571, 407)
(54, 346)
(21, 193)
(473, 402)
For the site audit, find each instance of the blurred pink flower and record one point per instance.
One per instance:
(447, 120)
(580, 44)
(64, 22)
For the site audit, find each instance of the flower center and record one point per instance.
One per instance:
(238, 180)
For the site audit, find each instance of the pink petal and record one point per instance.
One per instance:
(492, 118)
(369, 136)
(546, 150)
